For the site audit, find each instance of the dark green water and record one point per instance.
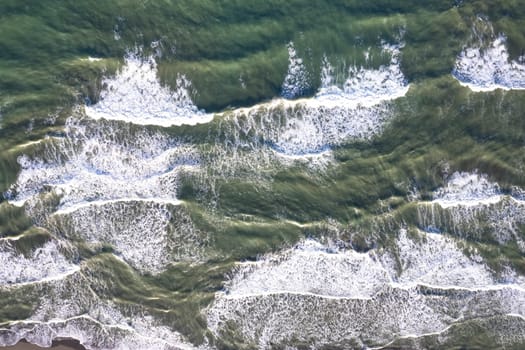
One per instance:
(140, 236)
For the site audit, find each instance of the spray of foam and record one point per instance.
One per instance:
(490, 68)
(45, 263)
(295, 83)
(135, 95)
(365, 87)
(297, 295)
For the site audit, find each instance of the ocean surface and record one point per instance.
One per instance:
(272, 174)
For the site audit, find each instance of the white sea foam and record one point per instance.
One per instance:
(43, 264)
(296, 82)
(136, 95)
(318, 127)
(91, 333)
(311, 268)
(358, 110)
(505, 330)
(309, 126)
(70, 309)
(436, 261)
(470, 206)
(116, 185)
(92, 164)
(363, 86)
(490, 68)
(102, 203)
(91, 59)
(309, 129)
(325, 296)
(276, 320)
(138, 232)
(314, 268)
(366, 87)
(148, 235)
(468, 189)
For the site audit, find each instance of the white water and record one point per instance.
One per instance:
(136, 95)
(295, 82)
(470, 206)
(148, 235)
(467, 189)
(310, 268)
(325, 296)
(358, 110)
(310, 126)
(102, 203)
(490, 68)
(70, 309)
(93, 165)
(471, 190)
(100, 176)
(368, 87)
(313, 268)
(113, 186)
(45, 263)
(436, 261)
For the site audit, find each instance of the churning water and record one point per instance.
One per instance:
(239, 191)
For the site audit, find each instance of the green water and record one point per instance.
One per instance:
(438, 128)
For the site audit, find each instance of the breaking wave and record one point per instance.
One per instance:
(471, 206)
(44, 263)
(70, 311)
(135, 95)
(113, 186)
(358, 110)
(96, 163)
(365, 299)
(467, 189)
(490, 68)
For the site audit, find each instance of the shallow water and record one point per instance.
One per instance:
(207, 175)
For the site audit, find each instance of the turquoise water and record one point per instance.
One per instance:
(238, 175)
